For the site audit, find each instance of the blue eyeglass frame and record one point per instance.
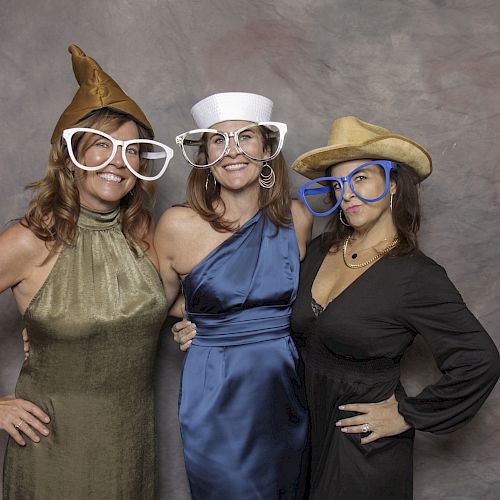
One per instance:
(305, 190)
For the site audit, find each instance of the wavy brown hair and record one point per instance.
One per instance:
(53, 212)
(405, 215)
(203, 194)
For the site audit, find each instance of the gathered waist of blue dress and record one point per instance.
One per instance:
(245, 326)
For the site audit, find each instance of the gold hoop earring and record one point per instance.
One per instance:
(342, 220)
(267, 180)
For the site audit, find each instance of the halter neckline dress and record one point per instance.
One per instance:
(93, 328)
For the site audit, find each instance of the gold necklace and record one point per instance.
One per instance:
(395, 241)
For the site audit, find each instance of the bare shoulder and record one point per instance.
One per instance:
(19, 240)
(300, 214)
(176, 228)
(302, 221)
(177, 221)
(178, 216)
(177, 231)
(20, 251)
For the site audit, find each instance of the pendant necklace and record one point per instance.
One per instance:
(394, 242)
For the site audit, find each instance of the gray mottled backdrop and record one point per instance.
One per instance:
(429, 69)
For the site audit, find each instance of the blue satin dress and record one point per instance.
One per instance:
(242, 408)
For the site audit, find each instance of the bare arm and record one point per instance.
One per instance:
(167, 242)
(174, 243)
(21, 258)
(19, 249)
(178, 308)
(302, 221)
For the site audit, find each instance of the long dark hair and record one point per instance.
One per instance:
(405, 216)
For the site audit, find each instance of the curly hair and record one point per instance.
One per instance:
(53, 212)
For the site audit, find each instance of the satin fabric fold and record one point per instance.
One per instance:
(242, 407)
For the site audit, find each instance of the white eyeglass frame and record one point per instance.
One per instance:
(282, 129)
(167, 154)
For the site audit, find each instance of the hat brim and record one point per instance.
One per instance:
(314, 163)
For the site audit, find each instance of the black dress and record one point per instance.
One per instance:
(352, 351)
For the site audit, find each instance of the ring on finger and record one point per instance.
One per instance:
(18, 425)
(365, 427)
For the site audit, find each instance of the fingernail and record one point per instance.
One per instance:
(338, 424)
(188, 322)
(344, 429)
(23, 443)
(46, 419)
(46, 432)
(37, 440)
(341, 407)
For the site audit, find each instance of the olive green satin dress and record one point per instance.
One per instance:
(93, 329)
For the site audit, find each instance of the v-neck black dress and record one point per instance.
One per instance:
(352, 351)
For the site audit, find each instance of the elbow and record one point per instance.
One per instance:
(491, 367)
(495, 366)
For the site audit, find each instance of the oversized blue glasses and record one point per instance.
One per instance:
(369, 182)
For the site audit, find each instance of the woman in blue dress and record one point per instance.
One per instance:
(235, 247)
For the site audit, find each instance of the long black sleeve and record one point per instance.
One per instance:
(464, 352)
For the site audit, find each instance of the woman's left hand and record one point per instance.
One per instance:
(26, 344)
(379, 419)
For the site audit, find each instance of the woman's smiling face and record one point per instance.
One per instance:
(102, 190)
(235, 170)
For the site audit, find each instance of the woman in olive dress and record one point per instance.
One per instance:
(83, 271)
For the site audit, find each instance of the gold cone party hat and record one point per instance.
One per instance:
(97, 90)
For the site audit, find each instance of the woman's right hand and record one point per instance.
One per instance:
(18, 417)
(184, 331)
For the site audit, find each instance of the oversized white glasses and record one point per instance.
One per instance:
(258, 141)
(103, 149)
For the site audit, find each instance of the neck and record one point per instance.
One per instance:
(240, 205)
(100, 209)
(371, 236)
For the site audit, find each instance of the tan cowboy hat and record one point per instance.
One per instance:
(97, 90)
(354, 139)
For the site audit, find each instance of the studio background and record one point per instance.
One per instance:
(427, 69)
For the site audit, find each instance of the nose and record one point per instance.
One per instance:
(348, 192)
(117, 160)
(232, 152)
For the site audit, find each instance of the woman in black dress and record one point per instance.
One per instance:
(365, 292)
